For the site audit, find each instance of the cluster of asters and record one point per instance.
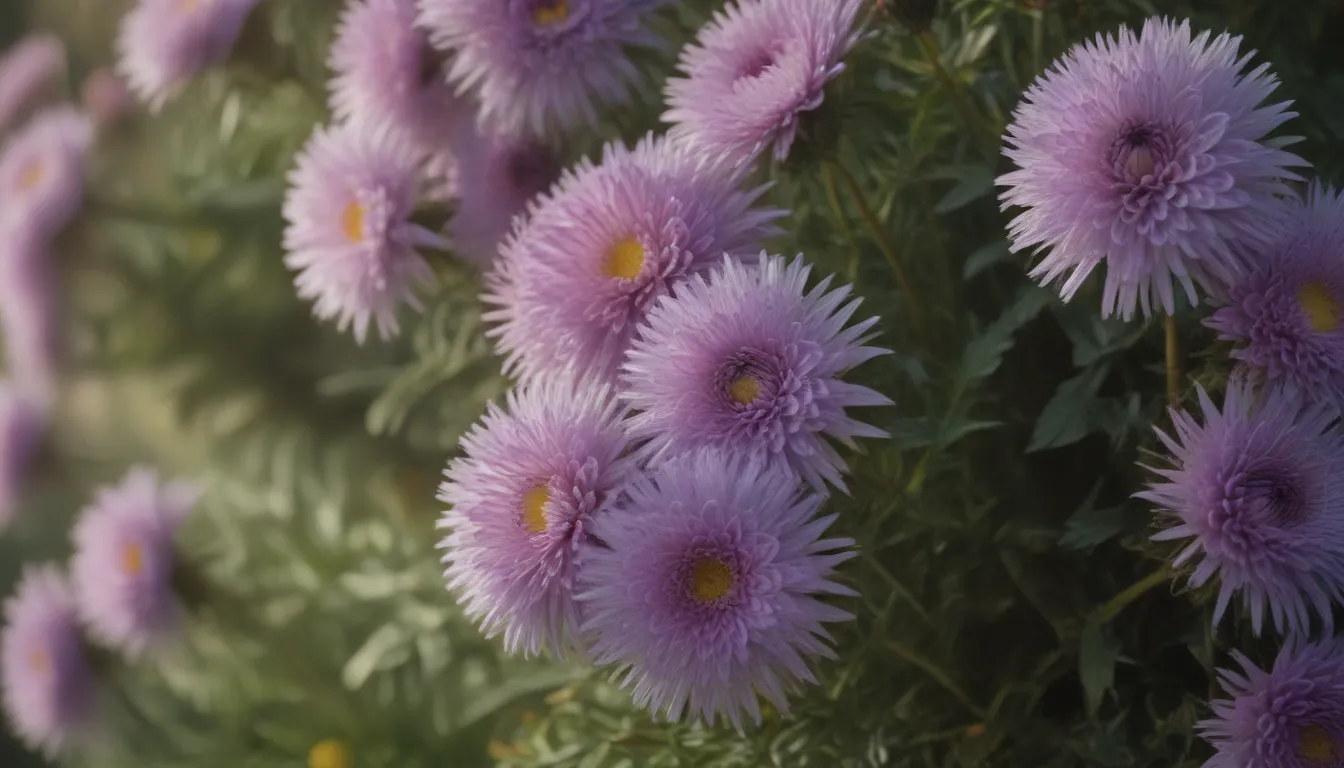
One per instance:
(1150, 152)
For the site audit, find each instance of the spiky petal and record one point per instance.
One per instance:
(29, 67)
(162, 44)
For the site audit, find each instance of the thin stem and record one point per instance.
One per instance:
(1175, 374)
(939, 676)
(833, 199)
(883, 242)
(114, 209)
(1111, 608)
(969, 117)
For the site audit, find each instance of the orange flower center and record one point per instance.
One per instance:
(1316, 746)
(132, 559)
(548, 13)
(33, 173)
(352, 221)
(534, 509)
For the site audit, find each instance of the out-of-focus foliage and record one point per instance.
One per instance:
(995, 529)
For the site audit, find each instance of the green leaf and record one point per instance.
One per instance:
(1098, 650)
(975, 182)
(984, 257)
(1069, 416)
(533, 682)
(1089, 527)
(984, 353)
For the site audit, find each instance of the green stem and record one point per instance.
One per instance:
(939, 676)
(1111, 608)
(969, 117)
(833, 199)
(1175, 374)
(884, 243)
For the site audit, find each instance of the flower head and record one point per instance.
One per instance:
(575, 279)
(42, 175)
(387, 74)
(494, 178)
(124, 560)
(750, 361)
(705, 590)
(540, 65)
(49, 687)
(30, 313)
(754, 70)
(1147, 152)
(1260, 490)
(532, 480)
(164, 43)
(23, 425)
(27, 69)
(105, 96)
(350, 236)
(1285, 312)
(1286, 717)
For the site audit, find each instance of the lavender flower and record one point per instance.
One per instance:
(387, 74)
(49, 689)
(1287, 717)
(42, 174)
(576, 278)
(29, 67)
(124, 561)
(1147, 152)
(164, 43)
(30, 314)
(22, 428)
(540, 65)
(754, 70)
(105, 96)
(749, 361)
(705, 593)
(521, 500)
(494, 179)
(1260, 490)
(350, 237)
(1285, 312)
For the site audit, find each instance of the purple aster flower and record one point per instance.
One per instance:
(750, 361)
(49, 687)
(105, 96)
(23, 426)
(29, 315)
(350, 235)
(164, 43)
(1287, 717)
(387, 74)
(754, 70)
(494, 179)
(1260, 490)
(705, 591)
(124, 560)
(540, 65)
(521, 500)
(42, 174)
(574, 281)
(1147, 152)
(28, 68)
(1284, 313)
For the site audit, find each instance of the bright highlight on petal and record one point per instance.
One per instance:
(1320, 307)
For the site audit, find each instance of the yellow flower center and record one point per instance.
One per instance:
(546, 13)
(744, 390)
(32, 175)
(1140, 162)
(711, 579)
(132, 559)
(1315, 745)
(352, 221)
(624, 259)
(39, 660)
(1321, 308)
(330, 753)
(534, 509)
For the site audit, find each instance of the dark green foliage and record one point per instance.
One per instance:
(996, 530)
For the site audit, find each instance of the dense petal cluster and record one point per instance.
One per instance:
(164, 43)
(704, 592)
(349, 236)
(42, 175)
(1284, 717)
(754, 70)
(494, 179)
(575, 279)
(540, 65)
(124, 560)
(1284, 313)
(533, 479)
(748, 360)
(22, 428)
(49, 689)
(389, 75)
(26, 70)
(1259, 490)
(1147, 152)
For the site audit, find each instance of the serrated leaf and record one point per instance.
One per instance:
(1069, 417)
(984, 353)
(1098, 650)
(975, 182)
